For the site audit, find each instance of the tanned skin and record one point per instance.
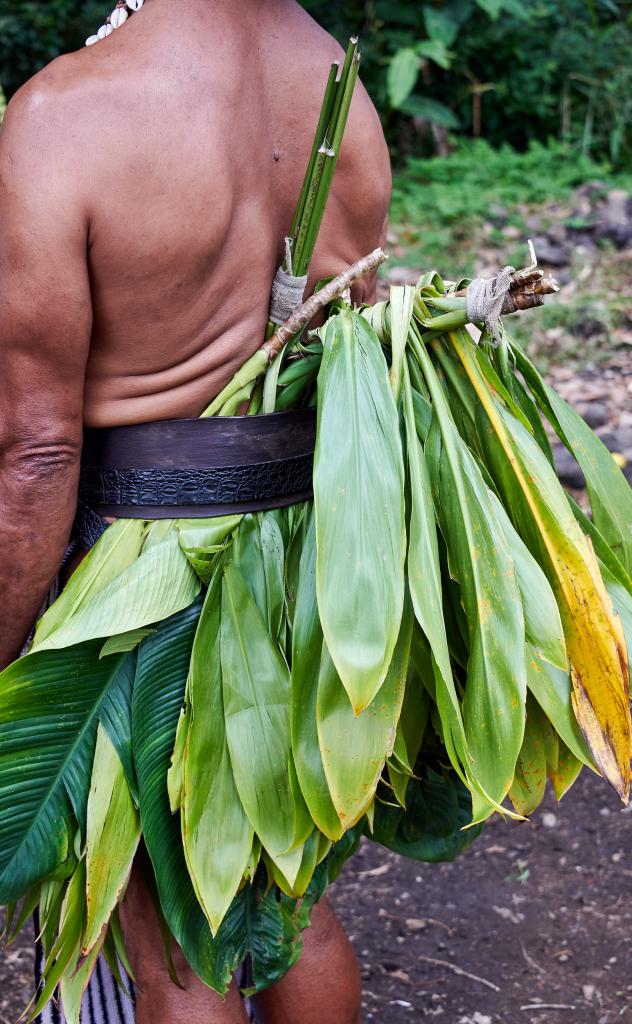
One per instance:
(146, 185)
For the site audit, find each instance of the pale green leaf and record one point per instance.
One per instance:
(354, 748)
(402, 74)
(256, 691)
(113, 834)
(157, 584)
(359, 508)
(217, 835)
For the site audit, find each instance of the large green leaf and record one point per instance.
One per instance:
(479, 558)
(256, 689)
(359, 503)
(50, 705)
(111, 556)
(402, 74)
(216, 833)
(157, 584)
(258, 552)
(433, 826)
(537, 505)
(424, 581)
(307, 646)
(527, 789)
(400, 309)
(553, 690)
(608, 490)
(113, 834)
(203, 539)
(354, 748)
(543, 625)
(66, 947)
(159, 689)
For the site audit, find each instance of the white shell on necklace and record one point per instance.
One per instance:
(118, 17)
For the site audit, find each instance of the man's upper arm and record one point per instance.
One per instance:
(45, 306)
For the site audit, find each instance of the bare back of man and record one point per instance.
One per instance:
(146, 185)
(188, 132)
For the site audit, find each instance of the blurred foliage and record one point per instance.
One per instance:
(508, 70)
(34, 32)
(442, 204)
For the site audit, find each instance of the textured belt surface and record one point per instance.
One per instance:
(206, 467)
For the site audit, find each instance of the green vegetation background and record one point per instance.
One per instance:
(508, 70)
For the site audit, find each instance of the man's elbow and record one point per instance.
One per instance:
(44, 461)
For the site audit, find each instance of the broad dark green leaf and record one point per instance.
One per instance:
(50, 705)
(432, 828)
(163, 665)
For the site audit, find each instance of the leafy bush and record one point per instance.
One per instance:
(34, 32)
(504, 69)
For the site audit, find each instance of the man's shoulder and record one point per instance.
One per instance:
(43, 111)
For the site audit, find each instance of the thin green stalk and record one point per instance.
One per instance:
(246, 374)
(232, 406)
(321, 131)
(322, 157)
(324, 187)
(350, 56)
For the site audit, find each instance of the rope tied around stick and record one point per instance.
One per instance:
(507, 292)
(287, 290)
(486, 298)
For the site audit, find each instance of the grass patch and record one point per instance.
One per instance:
(445, 207)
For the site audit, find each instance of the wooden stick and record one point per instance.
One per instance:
(333, 290)
(458, 970)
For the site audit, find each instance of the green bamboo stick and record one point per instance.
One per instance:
(319, 137)
(304, 258)
(350, 56)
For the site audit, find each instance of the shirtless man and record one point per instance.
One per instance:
(146, 185)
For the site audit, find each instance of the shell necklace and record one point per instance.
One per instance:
(118, 17)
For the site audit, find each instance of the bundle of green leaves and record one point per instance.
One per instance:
(437, 633)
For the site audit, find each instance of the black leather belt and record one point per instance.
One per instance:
(193, 468)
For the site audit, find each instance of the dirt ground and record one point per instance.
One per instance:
(532, 925)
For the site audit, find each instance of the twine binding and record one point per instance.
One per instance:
(485, 298)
